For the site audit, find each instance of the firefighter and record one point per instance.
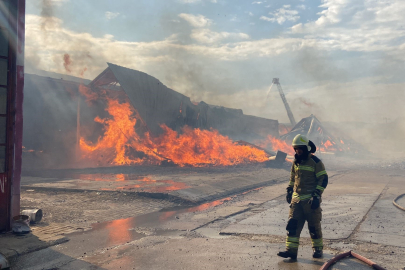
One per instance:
(307, 182)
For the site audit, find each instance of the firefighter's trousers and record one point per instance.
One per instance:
(299, 213)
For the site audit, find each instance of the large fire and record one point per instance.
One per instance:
(276, 144)
(122, 145)
(330, 146)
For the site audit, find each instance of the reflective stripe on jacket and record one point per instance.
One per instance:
(308, 177)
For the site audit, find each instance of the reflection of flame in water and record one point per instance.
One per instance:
(146, 184)
(166, 215)
(101, 177)
(202, 207)
(206, 206)
(118, 231)
(147, 180)
(120, 177)
(149, 185)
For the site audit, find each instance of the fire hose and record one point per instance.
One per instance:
(352, 254)
(396, 200)
(357, 256)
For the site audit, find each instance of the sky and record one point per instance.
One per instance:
(342, 60)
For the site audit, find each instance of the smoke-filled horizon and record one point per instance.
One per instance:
(339, 60)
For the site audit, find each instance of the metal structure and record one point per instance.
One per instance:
(276, 81)
(157, 104)
(12, 32)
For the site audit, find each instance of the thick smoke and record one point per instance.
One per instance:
(193, 75)
(47, 14)
(361, 92)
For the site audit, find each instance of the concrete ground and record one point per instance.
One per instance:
(227, 230)
(192, 185)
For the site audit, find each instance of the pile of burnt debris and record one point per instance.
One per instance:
(61, 111)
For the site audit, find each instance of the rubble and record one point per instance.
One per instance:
(133, 109)
(158, 104)
(325, 141)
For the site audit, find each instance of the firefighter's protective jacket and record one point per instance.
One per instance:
(308, 178)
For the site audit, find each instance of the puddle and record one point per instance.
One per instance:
(122, 230)
(103, 177)
(119, 232)
(152, 186)
(120, 182)
(130, 182)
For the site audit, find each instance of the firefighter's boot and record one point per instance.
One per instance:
(288, 254)
(318, 253)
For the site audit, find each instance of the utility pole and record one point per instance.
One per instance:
(276, 81)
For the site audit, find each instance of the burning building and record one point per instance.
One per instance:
(157, 105)
(325, 141)
(126, 117)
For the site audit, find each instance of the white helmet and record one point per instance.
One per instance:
(301, 140)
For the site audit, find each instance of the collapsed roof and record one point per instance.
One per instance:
(55, 113)
(158, 104)
(323, 139)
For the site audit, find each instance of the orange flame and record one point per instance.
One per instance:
(204, 147)
(276, 144)
(329, 146)
(88, 94)
(121, 145)
(119, 135)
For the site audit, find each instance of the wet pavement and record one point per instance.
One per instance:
(121, 231)
(112, 182)
(385, 224)
(242, 231)
(340, 213)
(186, 184)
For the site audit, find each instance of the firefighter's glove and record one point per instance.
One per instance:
(289, 194)
(315, 202)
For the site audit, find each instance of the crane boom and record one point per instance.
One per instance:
(276, 81)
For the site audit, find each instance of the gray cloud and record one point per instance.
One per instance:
(341, 69)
